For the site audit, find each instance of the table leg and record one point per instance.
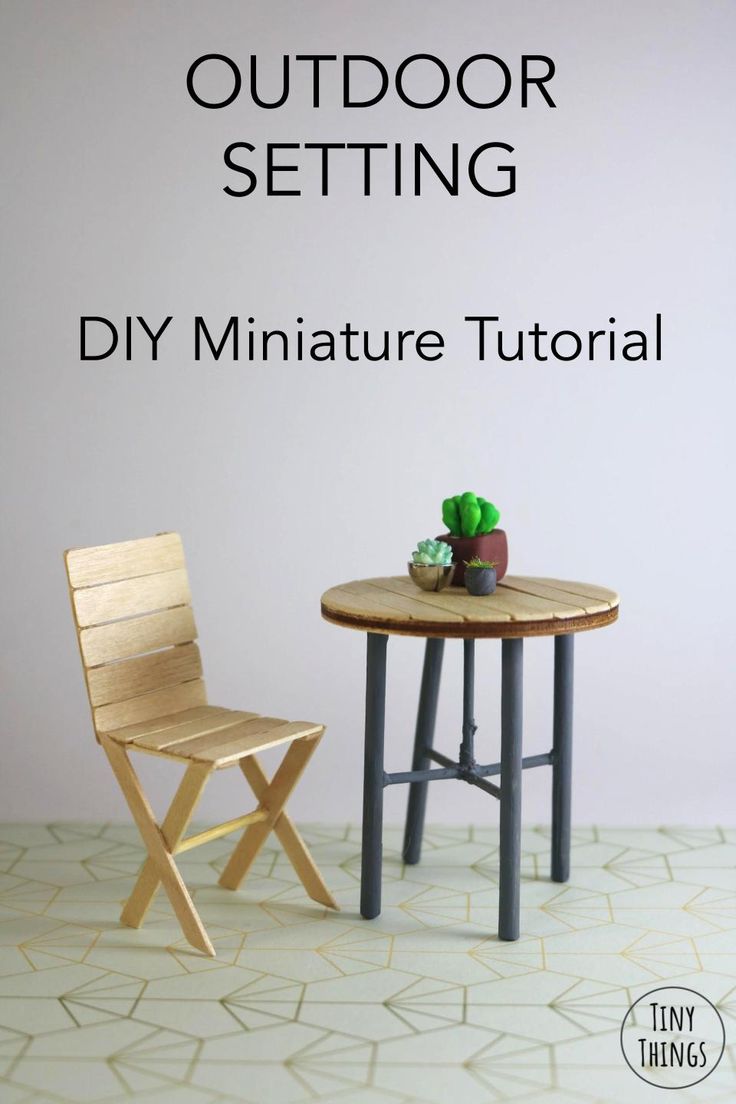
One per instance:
(423, 739)
(562, 762)
(375, 713)
(512, 659)
(467, 747)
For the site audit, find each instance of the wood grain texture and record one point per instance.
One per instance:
(131, 597)
(224, 740)
(219, 830)
(225, 752)
(108, 563)
(130, 732)
(272, 800)
(130, 678)
(146, 708)
(173, 828)
(521, 606)
(160, 856)
(170, 738)
(122, 639)
(289, 838)
(200, 747)
(136, 632)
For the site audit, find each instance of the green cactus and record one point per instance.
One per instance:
(469, 515)
(489, 516)
(451, 515)
(432, 552)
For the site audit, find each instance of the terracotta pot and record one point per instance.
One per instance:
(489, 546)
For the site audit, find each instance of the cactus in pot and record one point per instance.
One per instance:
(469, 515)
(472, 524)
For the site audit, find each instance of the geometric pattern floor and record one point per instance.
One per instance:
(421, 1006)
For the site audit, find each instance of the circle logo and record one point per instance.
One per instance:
(673, 1037)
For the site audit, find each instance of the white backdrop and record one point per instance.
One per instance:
(286, 479)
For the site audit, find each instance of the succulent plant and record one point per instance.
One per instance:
(469, 515)
(476, 561)
(432, 552)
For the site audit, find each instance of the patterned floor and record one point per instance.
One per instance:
(422, 1006)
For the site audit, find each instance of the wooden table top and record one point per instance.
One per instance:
(521, 606)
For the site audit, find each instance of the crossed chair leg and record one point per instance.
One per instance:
(165, 841)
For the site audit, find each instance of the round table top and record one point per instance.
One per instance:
(521, 606)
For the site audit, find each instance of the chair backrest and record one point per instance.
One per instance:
(135, 625)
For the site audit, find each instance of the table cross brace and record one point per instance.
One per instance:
(472, 775)
(465, 769)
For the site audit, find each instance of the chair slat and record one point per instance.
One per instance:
(108, 563)
(115, 682)
(170, 738)
(131, 597)
(199, 745)
(122, 639)
(221, 751)
(172, 699)
(131, 732)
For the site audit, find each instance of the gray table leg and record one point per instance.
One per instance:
(562, 763)
(467, 747)
(423, 739)
(511, 733)
(375, 713)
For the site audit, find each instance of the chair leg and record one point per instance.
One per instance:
(158, 850)
(289, 838)
(173, 828)
(272, 799)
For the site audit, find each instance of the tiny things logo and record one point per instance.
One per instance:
(673, 1037)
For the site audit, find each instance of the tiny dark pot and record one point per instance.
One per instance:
(480, 580)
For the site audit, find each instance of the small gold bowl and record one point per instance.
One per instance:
(431, 576)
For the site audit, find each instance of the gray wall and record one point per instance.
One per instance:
(287, 479)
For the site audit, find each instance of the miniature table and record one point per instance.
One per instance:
(520, 607)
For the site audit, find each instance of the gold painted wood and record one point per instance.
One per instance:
(131, 597)
(136, 632)
(521, 606)
(122, 639)
(107, 563)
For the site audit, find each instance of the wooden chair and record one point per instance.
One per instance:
(136, 633)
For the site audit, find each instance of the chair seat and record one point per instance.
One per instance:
(209, 734)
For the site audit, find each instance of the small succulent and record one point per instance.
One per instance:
(476, 561)
(469, 515)
(432, 552)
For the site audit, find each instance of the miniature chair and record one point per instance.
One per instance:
(136, 632)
